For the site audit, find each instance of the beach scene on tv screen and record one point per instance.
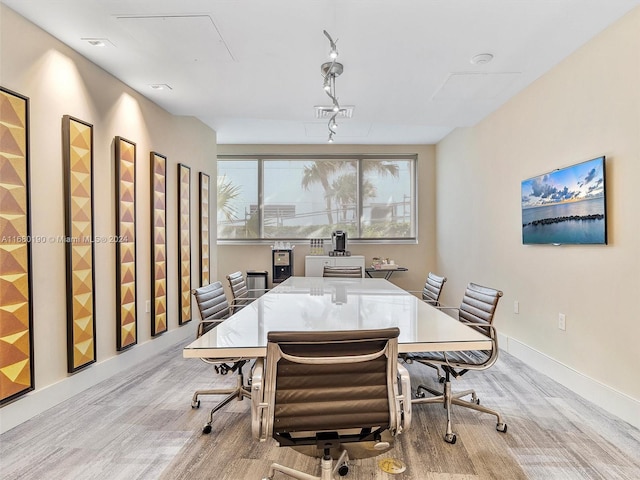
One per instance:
(566, 206)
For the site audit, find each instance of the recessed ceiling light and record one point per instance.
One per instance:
(160, 86)
(98, 42)
(481, 58)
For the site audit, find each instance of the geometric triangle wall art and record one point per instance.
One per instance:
(158, 228)
(16, 308)
(184, 242)
(126, 297)
(77, 152)
(205, 278)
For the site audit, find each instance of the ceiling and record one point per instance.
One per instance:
(250, 69)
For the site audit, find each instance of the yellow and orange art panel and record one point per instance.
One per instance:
(184, 254)
(205, 236)
(16, 327)
(77, 144)
(158, 243)
(125, 240)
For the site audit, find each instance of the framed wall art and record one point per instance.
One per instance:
(77, 153)
(184, 242)
(125, 240)
(158, 243)
(16, 300)
(205, 236)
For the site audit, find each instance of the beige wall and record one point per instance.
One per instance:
(58, 81)
(589, 105)
(418, 258)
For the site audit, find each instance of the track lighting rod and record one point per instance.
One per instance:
(330, 71)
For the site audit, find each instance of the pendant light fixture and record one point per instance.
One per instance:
(330, 71)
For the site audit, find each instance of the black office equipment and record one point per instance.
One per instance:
(282, 260)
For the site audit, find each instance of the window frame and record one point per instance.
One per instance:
(358, 158)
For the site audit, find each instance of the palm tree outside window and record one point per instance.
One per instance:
(297, 198)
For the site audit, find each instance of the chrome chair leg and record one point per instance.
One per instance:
(449, 436)
(195, 401)
(447, 398)
(240, 392)
(276, 467)
(327, 469)
(432, 391)
(500, 425)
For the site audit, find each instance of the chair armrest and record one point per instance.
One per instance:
(247, 290)
(418, 293)
(457, 309)
(257, 403)
(204, 323)
(490, 360)
(404, 398)
(414, 291)
(240, 302)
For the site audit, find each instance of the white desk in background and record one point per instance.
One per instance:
(317, 304)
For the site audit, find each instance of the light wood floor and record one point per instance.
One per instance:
(140, 425)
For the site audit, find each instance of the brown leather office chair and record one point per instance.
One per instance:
(329, 388)
(477, 310)
(239, 291)
(346, 271)
(214, 309)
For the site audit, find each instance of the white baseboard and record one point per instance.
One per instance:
(40, 400)
(607, 398)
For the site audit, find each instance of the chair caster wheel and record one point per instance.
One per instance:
(441, 379)
(420, 394)
(343, 470)
(501, 427)
(195, 404)
(450, 438)
(206, 429)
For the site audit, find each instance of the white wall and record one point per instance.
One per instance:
(588, 106)
(58, 81)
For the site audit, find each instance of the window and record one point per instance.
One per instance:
(237, 193)
(309, 197)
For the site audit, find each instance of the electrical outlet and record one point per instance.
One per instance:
(516, 306)
(562, 321)
(147, 306)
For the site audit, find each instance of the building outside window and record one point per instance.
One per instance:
(285, 197)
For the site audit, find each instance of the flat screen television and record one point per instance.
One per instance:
(566, 206)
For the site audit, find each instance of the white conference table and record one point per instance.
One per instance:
(317, 304)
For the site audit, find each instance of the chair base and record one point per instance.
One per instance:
(239, 392)
(447, 398)
(327, 469)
